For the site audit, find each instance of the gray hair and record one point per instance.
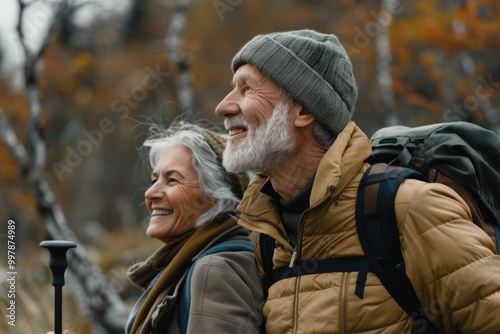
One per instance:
(321, 133)
(212, 178)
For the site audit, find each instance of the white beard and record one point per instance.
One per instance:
(265, 148)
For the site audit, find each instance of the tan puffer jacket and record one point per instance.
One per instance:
(450, 261)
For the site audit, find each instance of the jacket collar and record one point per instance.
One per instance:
(341, 163)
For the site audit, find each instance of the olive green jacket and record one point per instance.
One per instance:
(226, 291)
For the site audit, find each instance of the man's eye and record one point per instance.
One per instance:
(171, 180)
(153, 181)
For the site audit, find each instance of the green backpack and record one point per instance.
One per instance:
(464, 156)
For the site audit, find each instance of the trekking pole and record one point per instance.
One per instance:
(58, 264)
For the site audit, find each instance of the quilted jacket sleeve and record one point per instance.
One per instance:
(451, 262)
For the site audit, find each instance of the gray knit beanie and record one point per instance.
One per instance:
(312, 67)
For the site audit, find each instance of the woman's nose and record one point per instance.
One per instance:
(153, 192)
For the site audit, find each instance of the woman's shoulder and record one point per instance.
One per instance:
(230, 253)
(231, 256)
(228, 294)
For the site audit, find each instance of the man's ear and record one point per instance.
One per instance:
(302, 118)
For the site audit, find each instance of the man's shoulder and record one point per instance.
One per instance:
(429, 203)
(416, 192)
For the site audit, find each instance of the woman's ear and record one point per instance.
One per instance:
(302, 118)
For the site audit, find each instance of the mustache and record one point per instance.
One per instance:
(236, 121)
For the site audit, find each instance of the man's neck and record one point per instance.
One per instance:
(294, 173)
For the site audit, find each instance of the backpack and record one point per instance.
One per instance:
(462, 155)
(185, 296)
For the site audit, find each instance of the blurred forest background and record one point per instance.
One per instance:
(81, 80)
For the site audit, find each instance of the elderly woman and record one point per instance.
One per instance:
(192, 203)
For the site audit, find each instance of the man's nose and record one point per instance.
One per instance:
(228, 107)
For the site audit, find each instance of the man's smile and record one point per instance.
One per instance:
(236, 130)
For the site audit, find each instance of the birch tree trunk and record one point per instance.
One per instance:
(384, 59)
(173, 46)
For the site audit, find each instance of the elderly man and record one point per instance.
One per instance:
(289, 119)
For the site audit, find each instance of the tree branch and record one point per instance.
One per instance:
(101, 305)
(9, 137)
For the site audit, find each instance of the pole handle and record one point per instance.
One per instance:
(58, 264)
(58, 261)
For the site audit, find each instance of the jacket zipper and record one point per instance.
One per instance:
(297, 255)
(296, 306)
(343, 303)
(293, 258)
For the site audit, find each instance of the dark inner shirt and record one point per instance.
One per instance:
(291, 210)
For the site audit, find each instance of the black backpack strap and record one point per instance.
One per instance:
(379, 236)
(305, 267)
(267, 245)
(497, 236)
(318, 266)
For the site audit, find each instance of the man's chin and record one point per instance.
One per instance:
(237, 162)
(231, 159)
(234, 166)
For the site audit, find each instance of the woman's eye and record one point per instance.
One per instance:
(171, 180)
(153, 181)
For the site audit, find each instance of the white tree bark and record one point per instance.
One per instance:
(384, 59)
(172, 42)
